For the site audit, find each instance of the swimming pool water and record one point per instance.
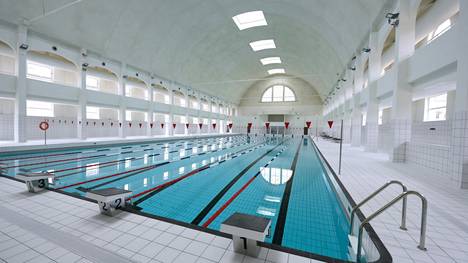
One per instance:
(204, 181)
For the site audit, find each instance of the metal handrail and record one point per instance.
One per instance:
(422, 236)
(403, 210)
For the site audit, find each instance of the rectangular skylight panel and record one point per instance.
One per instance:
(262, 44)
(271, 60)
(276, 71)
(250, 19)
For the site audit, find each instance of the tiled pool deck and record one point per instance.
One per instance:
(52, 227)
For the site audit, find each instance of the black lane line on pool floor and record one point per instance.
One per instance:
(99, 156)
(236, 194)
(221, 193)
(61, 154)
(166, 185)
(281, 221)
(132, 172)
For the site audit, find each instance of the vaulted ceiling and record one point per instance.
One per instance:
(195, 42)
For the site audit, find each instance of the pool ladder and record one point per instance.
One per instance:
(403, 195)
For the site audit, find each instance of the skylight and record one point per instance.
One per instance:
(276, 71)
(271, 60)
(262, 44)
(250, 19)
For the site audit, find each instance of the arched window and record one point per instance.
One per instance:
(278, 93)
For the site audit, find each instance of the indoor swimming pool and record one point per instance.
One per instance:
(205, 180)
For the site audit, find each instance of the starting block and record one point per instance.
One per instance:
(35, 181)
(246, 230)
(109, 199)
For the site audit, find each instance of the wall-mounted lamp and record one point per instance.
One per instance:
(352, 68)
(124, 76)
(343, 80)
(103, 64)
(366, 50)
(392, 19)
(54, 48)
(24, 46)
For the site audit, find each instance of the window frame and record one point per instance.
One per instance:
(31, 109)
(428, 108)
(273, 99)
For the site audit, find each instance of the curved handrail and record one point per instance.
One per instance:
(422, 236)
(403, 211)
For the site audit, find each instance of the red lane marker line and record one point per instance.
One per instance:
(41, 156)
(109, 162)
(169, 183)
(180, 178)
(225, 205)
(56, 161)
(108, 176)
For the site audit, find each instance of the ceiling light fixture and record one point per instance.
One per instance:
(270, 60)
(276, 71)
(250, 19)
(262, 44)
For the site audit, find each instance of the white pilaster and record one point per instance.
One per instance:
(402, 94)
(150, 109)
(21, 88)
(82, 102)
(123, 101)
(372, 111)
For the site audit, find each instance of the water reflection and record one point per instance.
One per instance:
(276, 176)
(92, 169)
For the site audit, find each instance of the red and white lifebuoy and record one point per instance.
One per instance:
(44, 126)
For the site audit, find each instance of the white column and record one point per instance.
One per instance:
(459, 142)
(402, 94)
(21, 88)
(346, 106)
(123, 101)
(372, 111)
(187, 108)
(356, 100)
(82, 102)
(199, 113)
(150, 109)
(171, 110)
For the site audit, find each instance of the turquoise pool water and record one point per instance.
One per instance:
(204, 181)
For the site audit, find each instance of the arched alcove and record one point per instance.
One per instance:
(102, 79)
(7, 59)
(160, 94)
(50, 67)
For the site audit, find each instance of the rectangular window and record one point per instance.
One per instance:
(39, 71)
(364, 119)
(39, 108)
(92, 113)
(205, 106)
(136, 92)
(92, 83)
(380, 117)
(435, 108)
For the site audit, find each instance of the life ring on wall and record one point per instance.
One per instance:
(44, 126)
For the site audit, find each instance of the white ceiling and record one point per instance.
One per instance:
(195, 42)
